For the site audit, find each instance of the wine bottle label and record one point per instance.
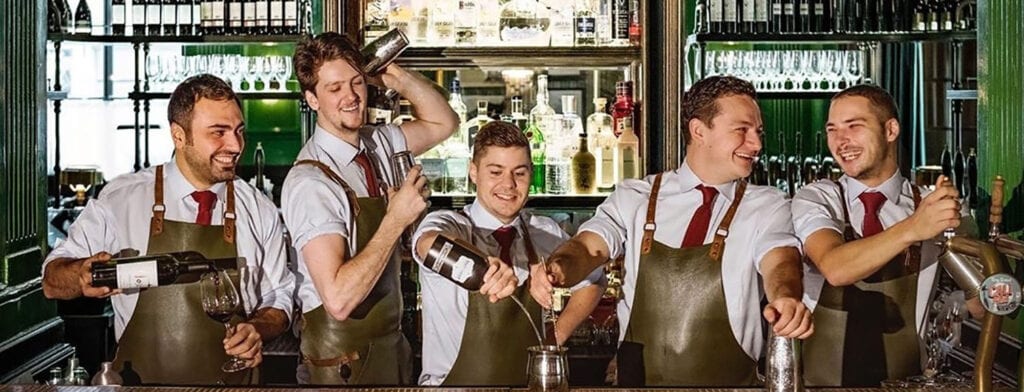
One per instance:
(715, 11)
(137, 275)
(261, 13)
(153, 14)
(276, 13)
(117, 14)
(761, 10)
(184, 14)
(138, 14)
(249, 13)
(291, 13)
(749, 11)
(169, 14)
(462, 269)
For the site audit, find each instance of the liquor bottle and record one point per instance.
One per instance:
(948, 12)
(922, 13)
(839, 13)
(584, 169)
(276, 13)
(634, 23)
(572, 124)
(859, 16)
(458, 261)
(823, 16)
(562, 27)
(809, 171)
(404, 112)
(259, 23)
(418, 22)
(826, 161)
(456, 171)
(762, 14)
(138, 17)
(381, 106)
(871, 21)
(117, 17)
(489, 24)
(886, 12)
(622, 109)
(557, 159)
(758, 172)
(777, 166)
(184, 17)
(730, 25)
(473, 125)
(777, 16)
(58, 16)
(442, 23)
(745, 14)
(627, 156)
(235, 17)
(456, 103)
(197, 16)
(157, 270)
(541, 118)
(789, 15)
(249, 17)
(620, 22)
(586, 23)
(375, 19)
(804, 16)
(153, 17)
(291, 17)
(599, 124)
(518, 118)
(467, 17)
(603, 22)
(83, 18)
(169, 17)
(218, 12)
(715, 16)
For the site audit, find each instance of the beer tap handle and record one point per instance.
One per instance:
(946, 181)
(995, 212)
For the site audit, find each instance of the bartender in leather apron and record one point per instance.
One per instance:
(697, 242)
(469, 339)
(192, 203)
(345, 211)
(870, 237)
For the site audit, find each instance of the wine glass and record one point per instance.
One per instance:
(221, 302)
(852, 72)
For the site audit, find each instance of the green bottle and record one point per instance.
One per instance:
(537, 147)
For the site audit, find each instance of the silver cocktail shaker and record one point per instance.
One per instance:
(784, 365)
(382, 51)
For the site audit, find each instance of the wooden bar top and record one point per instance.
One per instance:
(50, 388)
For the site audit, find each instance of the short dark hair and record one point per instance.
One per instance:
(700, 102)
(881, 101)
(312, 52)
(190, 91)
(498, 134)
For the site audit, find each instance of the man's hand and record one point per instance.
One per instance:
(499, 281)
(244, 342)
(408, 202)
(940, 210)
(85, 277)
(789, 317)
(540, 285)
(553, 270)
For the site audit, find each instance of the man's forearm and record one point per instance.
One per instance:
(576, 261)
(61, 279)
(269, 322)
(783, 274)
(581, 305)
(853, 261)
(357, 276)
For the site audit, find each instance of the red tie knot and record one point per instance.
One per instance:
(504, 235)
(206, 200)
(872, 201)
(709, 193)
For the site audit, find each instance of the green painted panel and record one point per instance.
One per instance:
(22, 266)
(1001, 107)
(25, 311)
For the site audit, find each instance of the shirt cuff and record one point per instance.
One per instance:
(338, 228)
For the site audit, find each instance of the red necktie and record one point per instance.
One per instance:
(505, 235)
(698, 228)
(205, 200)
(872, 203)
(371, 177)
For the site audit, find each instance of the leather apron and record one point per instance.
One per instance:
(679, 332)
(169, 339)
(493, 349)
(368, 348)
(866, 332)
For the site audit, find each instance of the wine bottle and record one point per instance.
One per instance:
(138, 17)
(235, 17)
(83, 18)
(153, 17)
(117, 20)
(169, 12)
(584, 169)
(184, 20)
(715, 15)
(776, 15)
(458, 261)
(157, 270)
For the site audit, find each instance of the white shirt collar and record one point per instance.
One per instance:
(177, 187)
(685, 180)
(338, 149)
(484, 220)
(892, 188)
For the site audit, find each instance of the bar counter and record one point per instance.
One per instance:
(50, 388)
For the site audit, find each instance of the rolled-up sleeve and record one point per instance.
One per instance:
(313, 207)
(609, 222)
(775, 229)
(441, 221)
(812, 211)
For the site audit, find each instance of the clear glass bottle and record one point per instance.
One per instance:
(489, 24)
(169, 17)
(375, 19)
(586, 23)
(442, 23)
(418, 22)
(557, 160)
(584, 169)
(603, 27)
(456, 169)
(400, 15)
(467, 19)
(518, 118)
(562, 26)
(455, 100)
(627, 156)
(524, 23)
(599, 129)
(572, 124)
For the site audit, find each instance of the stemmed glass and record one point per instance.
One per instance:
(221, 302)
(153, 70)
(837, 62)
(249, 71)
(265, 71)
(852, 72)
(232, 69)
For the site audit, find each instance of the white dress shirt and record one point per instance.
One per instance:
(119, 219)
(445, 304)
(762, 223)
(314, 205)
(818, 206)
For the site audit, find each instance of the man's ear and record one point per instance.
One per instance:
(178, 135)
(472, 171)
(698, 130)
(892, 130)
(311, 100)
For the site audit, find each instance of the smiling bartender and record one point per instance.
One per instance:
(692, 302)
(194, 202)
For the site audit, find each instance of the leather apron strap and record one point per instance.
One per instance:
(367, 348)
(867, 332)
(492, 351)
(690, 342)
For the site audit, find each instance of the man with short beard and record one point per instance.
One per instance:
(869, 236)
(472, 339)
(192, 203)
(346, 209)
(698, 241)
